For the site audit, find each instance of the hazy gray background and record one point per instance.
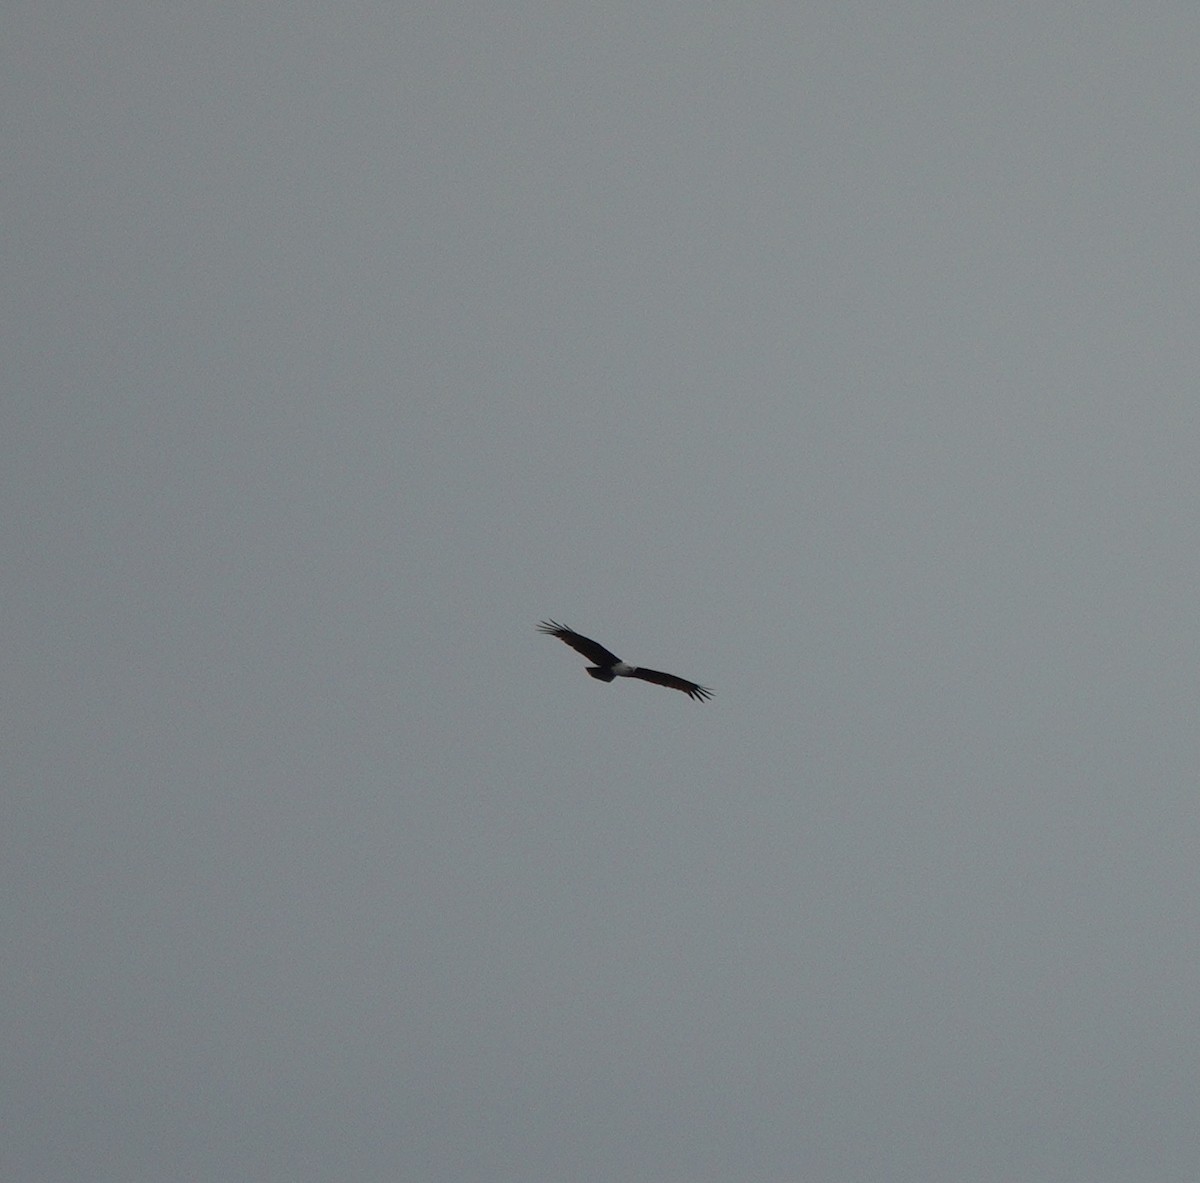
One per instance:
(841, 357)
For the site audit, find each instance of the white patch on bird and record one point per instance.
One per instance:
(623, 669)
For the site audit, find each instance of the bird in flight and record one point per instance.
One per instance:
(609, 665)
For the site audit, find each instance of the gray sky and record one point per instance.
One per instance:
(841, 357)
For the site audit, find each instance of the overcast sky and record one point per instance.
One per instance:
(842, 357)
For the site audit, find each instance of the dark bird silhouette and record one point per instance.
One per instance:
(608, 665)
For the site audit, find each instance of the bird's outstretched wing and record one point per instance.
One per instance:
(691, 689)
(585, 645)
